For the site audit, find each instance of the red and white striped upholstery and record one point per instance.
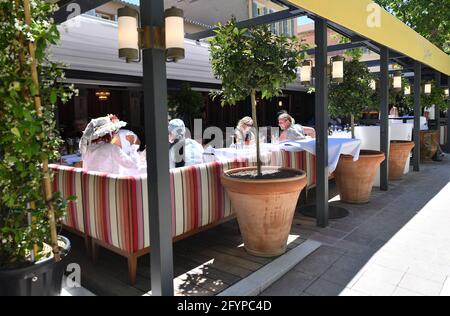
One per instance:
(68, 181)
(114, 209)
(297, 160)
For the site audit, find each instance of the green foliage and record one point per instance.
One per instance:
(353, 96)
(397, 97)
(430, 18)
(436, 97)
(186, 104)
(26, 138)
(252, 59)
(353, 53)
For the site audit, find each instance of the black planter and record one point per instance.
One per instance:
(41, 279)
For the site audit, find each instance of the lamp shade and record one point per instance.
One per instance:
(397, 84)
(427, 89)
(337, 69)
(446, 92)
(306, 72)
(373, 84)
(128, 33)
(174, 34)
(407, 90)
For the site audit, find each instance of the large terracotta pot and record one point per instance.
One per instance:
(398, 155)
(354, 179)
(265, 209)
(429, 141)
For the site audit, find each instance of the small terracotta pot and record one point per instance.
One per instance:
(398, 155)
(354, 179)
(429, 142)
(265, 209)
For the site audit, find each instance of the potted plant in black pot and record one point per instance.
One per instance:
(251, 61)
(30, 250)
(352, 97)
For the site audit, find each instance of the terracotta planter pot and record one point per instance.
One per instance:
(429, 141)
(398, 155)
(265, 209)
(354, 179)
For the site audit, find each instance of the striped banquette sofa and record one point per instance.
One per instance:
(111, 211)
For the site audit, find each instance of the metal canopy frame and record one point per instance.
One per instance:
(155, 99)
(71, 8)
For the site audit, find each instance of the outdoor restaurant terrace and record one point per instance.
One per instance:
(181, 231)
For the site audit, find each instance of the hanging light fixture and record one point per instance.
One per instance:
(373, 84)
(337, 69)
(427, 89)
(128, 25)
(446, 92)
(174, 34)
(133, 37)
(306, 72)
(102, 95)
(397, 84)
(407, 90)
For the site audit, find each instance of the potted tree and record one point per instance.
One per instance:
(30, 250)
(251, 61)
(352, 97)
(429, 139)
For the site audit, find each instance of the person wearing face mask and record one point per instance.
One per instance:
(183, 151)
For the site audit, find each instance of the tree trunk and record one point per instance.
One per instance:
(352, 123)
(38, 105)
(255, 124)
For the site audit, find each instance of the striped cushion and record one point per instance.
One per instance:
(116, 206)
(67, 180)
(297, 160)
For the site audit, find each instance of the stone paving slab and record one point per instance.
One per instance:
(397, 245)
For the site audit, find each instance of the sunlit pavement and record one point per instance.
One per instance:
(398, 244)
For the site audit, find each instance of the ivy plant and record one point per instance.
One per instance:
(28, 136)
(253, 60)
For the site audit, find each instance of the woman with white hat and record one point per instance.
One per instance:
(99, 154)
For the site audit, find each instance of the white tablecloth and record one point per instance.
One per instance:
(248, 152)
(336, 147)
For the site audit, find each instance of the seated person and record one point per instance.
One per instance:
(243, 134)
(182, 151)
(127, 140)
(290, 130)
(98, 154)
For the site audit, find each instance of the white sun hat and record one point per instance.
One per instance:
(99, 127)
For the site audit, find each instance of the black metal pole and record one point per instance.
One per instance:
(155, 114)
(437, 109)
(447, 148)
(417, 113)
(321, 122)
(384, 119)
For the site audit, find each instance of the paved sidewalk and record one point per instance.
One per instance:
(398, 244)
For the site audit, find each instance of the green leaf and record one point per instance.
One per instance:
(53, 97)
(15, 131)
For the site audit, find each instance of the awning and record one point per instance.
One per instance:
(390, 32)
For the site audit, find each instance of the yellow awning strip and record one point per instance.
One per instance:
(369, 20)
